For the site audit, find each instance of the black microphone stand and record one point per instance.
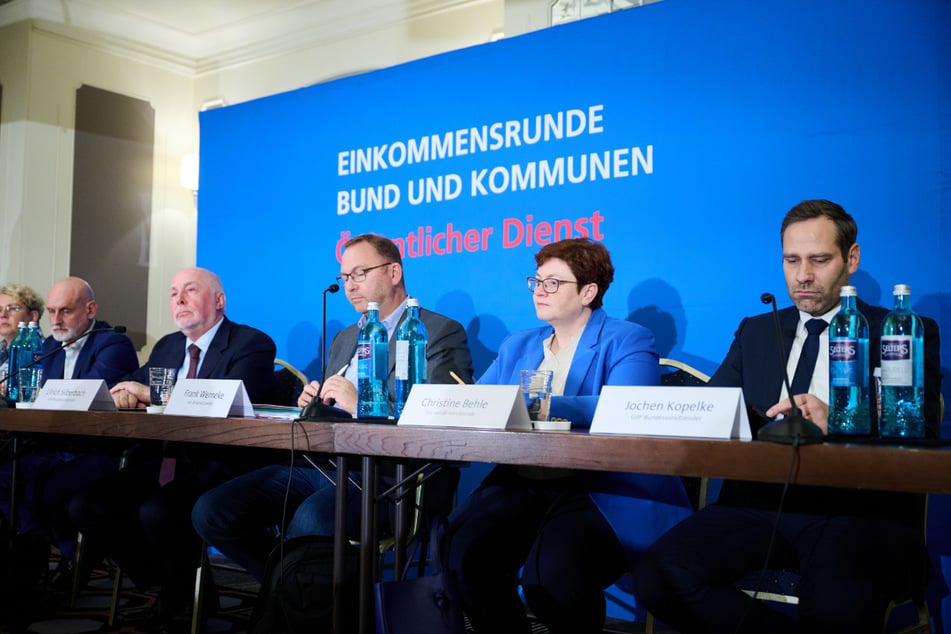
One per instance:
(315, 410)
(5, 401)
(794, 429)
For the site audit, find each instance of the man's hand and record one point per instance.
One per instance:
(810, 406)
(337, 391)
(130, 395)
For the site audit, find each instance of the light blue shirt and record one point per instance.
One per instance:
(203, 343)
(389, 323)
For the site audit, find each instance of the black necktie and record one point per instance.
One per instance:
(807, 360)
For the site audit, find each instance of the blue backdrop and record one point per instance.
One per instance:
(678, 133)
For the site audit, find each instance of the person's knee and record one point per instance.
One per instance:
(648, 584)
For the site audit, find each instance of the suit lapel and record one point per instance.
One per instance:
(215, 352)
(585, 353)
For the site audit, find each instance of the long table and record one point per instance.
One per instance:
(908, 469)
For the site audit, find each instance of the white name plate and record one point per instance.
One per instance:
(687, 412)
(477, 406)
(216, 398)
(75, 395)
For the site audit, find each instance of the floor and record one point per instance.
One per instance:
(237, 590)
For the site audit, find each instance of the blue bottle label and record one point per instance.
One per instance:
(364, 371)
(844, 362)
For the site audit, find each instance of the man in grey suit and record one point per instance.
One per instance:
(235, 516)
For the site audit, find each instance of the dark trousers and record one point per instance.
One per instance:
(850, 568)
(48, 480)
(569, 552)
(146, 528)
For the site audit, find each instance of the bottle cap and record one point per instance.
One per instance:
(412, 301)
(901, 289)
(33, 324)
(22, 324)
(373, 305)
(848, 291)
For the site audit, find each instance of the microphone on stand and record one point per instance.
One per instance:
(65, 344)
(794, 429)
(315, 410)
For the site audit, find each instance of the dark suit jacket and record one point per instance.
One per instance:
(447, 349)
(753, 363)
(105, 355)
(236, 352)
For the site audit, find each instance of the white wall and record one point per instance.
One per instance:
(42, 65)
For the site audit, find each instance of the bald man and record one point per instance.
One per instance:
(52, 469)
(141, 520)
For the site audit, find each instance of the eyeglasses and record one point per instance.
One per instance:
(359, 274)
(10, 308)
(550, 285)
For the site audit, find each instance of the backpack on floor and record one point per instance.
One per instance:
(297, 595)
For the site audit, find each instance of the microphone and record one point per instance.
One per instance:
(316, 410)
(794, 429)
(7, 402)
(333, 288)
(65, 344)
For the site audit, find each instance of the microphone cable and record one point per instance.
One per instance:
(772, 535)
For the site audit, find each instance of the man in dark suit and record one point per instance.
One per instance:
(854, 550)
(140, 522)
(235, 516)
(50, 469)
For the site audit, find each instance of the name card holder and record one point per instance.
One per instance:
(214, 398)
(470, 406)
(75, 395)
(684, 412)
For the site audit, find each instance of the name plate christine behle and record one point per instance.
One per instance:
(75, 395)
(686, 412)
(217, 398)
(475, 406)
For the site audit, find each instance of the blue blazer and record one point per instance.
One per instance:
(610, 351)
(105, 355)
(236, 352)
(753, 363)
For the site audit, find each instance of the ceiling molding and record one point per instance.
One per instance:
(199, 36)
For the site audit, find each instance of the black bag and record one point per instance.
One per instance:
(429, 604)
(297, 597)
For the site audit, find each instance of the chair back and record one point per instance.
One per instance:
(288, 383)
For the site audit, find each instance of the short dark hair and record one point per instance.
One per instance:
(845, 228)
(588, 260)
(381, 244)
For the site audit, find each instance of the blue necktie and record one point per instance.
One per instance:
(807, 360)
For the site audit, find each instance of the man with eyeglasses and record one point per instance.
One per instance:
(235, 517)
(17, 303)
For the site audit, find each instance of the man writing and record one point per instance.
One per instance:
(234, 516)
(854, 550)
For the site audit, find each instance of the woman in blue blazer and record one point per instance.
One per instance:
(573, 532)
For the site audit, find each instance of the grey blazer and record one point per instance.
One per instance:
(447, 349)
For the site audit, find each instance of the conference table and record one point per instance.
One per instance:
(853, 465)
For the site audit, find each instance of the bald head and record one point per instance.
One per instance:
(72, 308)
(197, 301)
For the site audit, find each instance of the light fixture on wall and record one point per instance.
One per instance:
(188, 177)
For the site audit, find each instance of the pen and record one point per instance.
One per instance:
(456, 377)
(343, 369)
